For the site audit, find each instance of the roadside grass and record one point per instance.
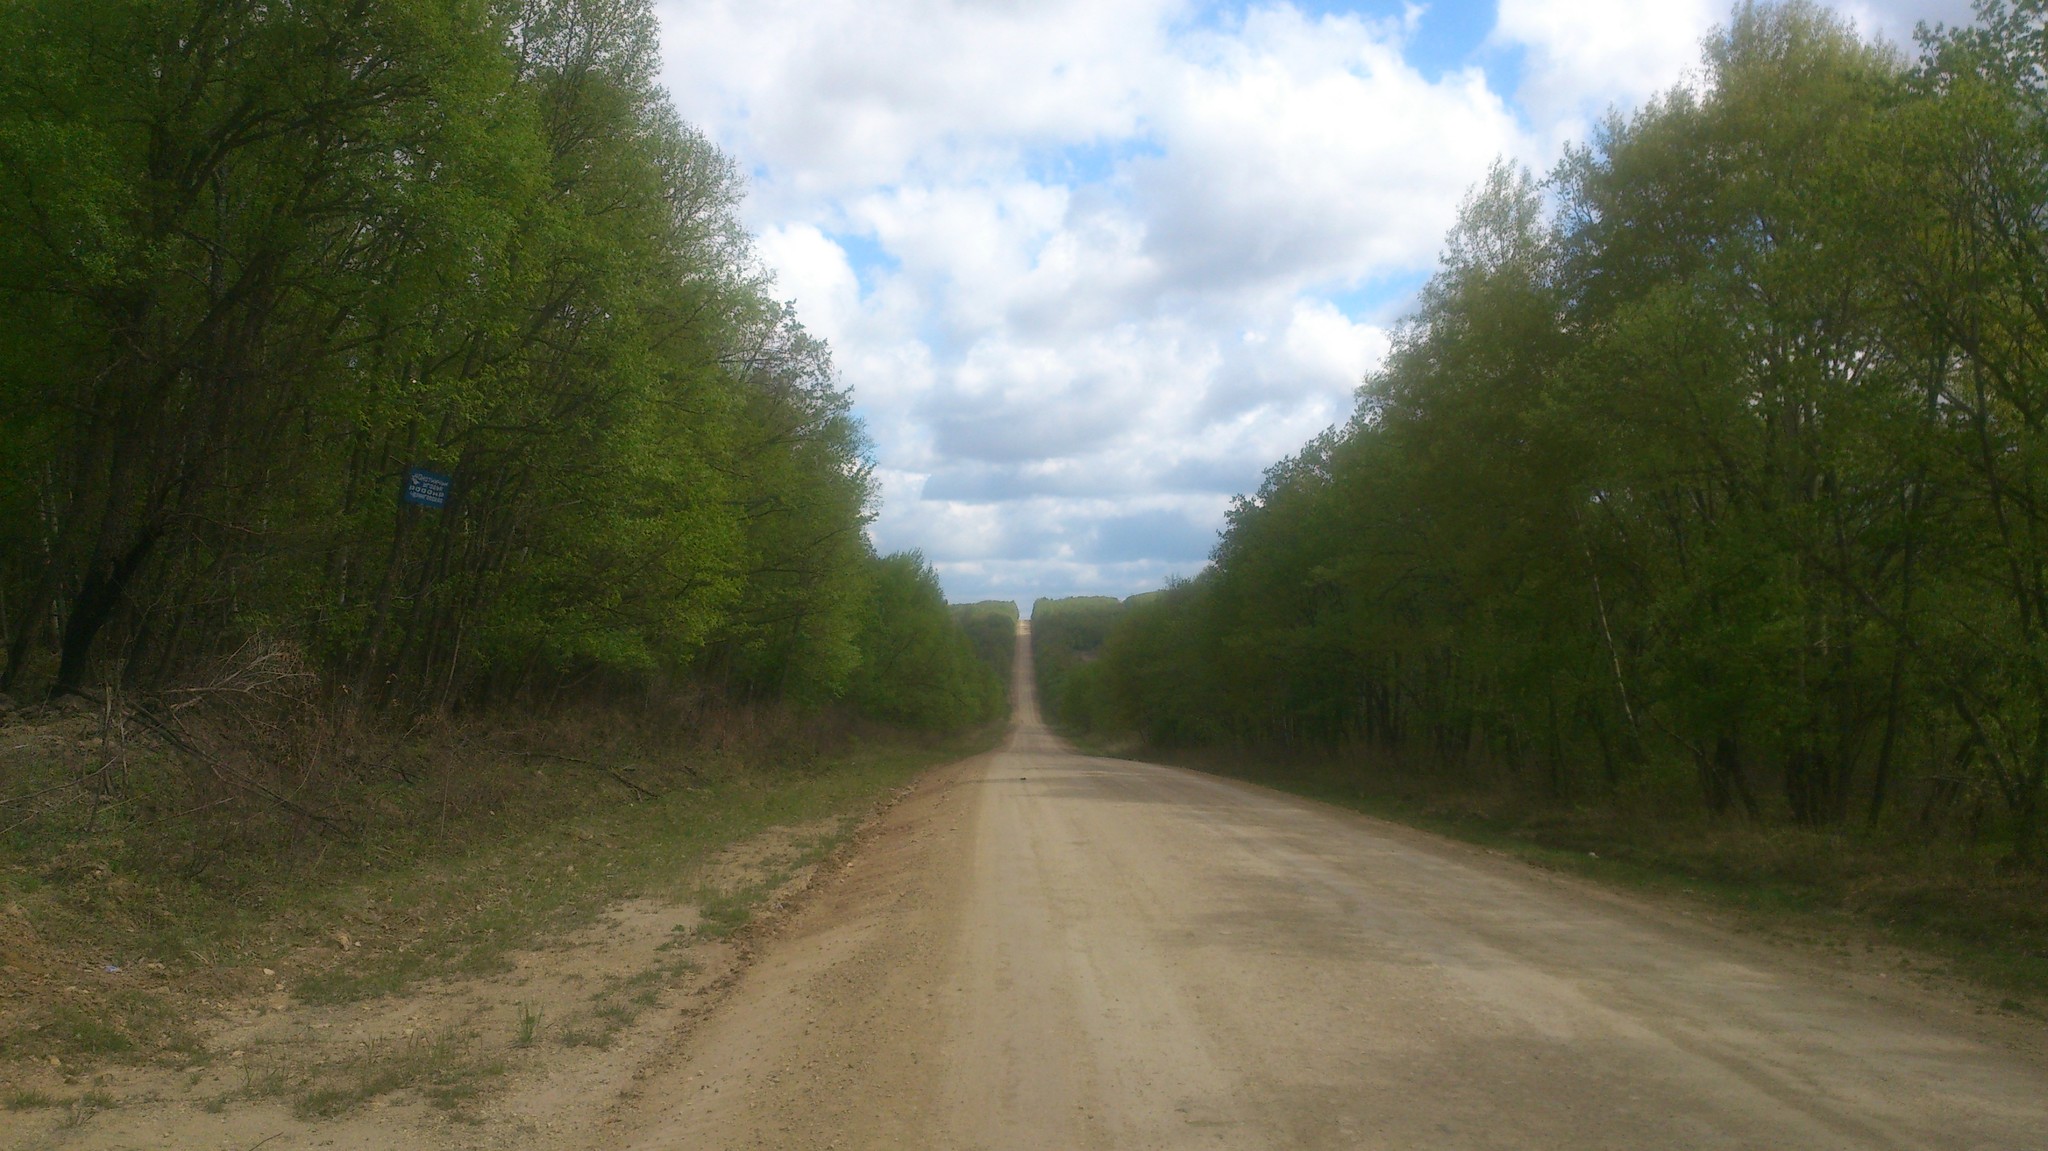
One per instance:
(86, 1106)
(528, 1027)
(722, 911)
(84, 1026)
(615, 1006)
(460, 851)
(1975, 922)
(447, 1071)
(85, 1031)
(467, 914)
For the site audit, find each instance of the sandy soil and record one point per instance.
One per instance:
(1040, 950)
(539, 1056)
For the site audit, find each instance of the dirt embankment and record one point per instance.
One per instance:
(404, 983)
(543, 1051)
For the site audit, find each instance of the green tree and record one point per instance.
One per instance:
(917, 665)
(261, 260)
(1721, 474)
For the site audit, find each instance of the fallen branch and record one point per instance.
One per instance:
(613, 772)
(591, 763)
(233, 778)
(44, 791)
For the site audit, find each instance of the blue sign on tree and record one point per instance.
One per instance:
(427, 489)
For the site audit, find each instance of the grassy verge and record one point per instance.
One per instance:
(1985, 927)
(462, 915)
(447, 1071)
(121, 924)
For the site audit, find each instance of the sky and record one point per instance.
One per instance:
(1090, 266)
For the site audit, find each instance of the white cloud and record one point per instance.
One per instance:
(1080, 260)
(1584, 56)
(1065, 362)
(1299, 149)
(833, 97)
(1895, 19)
(812, 268)
(1322, 343)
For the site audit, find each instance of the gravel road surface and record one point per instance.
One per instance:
(1038, 950)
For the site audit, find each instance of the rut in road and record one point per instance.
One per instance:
(1042, 950)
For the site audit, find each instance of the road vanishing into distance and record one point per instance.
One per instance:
(1038, 950)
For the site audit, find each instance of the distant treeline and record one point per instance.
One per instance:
(261, 262)
(1710, 474)
(1067, 636)
(991, 627)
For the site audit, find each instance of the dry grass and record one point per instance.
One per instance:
(446, 1070)
(158, 854)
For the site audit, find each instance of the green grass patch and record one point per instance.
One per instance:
(621, 1001)
(721, 913)
(87, 1032)
(527, 1029)
(86, 1106)
(447, 1071)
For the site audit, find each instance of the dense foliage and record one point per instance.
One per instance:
(991, 627)
(257, 261)
(919, 666)
(1712, 473)
(1067, 636)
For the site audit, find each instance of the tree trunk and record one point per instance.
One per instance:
(96, 603)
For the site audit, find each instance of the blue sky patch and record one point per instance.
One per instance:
(867, 257)
(1094, 163)
(1382, 299)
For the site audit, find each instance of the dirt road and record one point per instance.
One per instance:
(1043, 951)
(1036, 950)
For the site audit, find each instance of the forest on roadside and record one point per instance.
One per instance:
(407, 469)
(419, 349)
(1707, 484)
